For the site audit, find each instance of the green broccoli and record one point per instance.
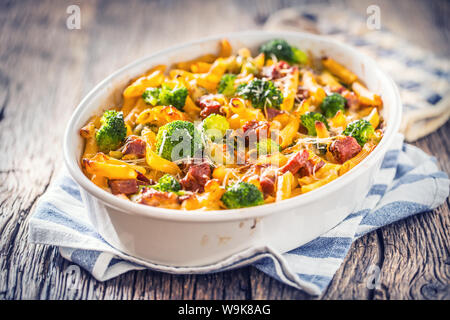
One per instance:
(309, 121)
(215, 126)
(249, 67)
(261, 93)
(166, 96)
(178, 137)
(112, 131)
(226, 84)
(361, 130)
(242, 194)
(299, 56)
(332, 104)
(175, 97)
(283, 51)
(267, 146)
(151, 96)
(167, 183)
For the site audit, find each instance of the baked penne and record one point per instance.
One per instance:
(232, 130)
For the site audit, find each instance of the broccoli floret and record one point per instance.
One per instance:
(277, 47)
(309, 121)
(299, 56)
(361, 130)
(267, 146)
(242, 194)
(215, 126)
(249, 67)
(261, 93)
(151, 96)
(175, 97)
(178, 139)
(226, 84)
(166, 96)
(112, 131)
(332, 104)
(167, 183)
(283, 51)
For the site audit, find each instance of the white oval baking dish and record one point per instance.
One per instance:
(197, 238)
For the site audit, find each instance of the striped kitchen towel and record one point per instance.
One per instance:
(422, 78)
(409, 182)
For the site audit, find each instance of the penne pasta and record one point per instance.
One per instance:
(137, 88)
(290, 91)
(317, 92)
(345, 75)
(373, 118)
(327, 79)
(365, 96)
(285, 186)
(289, 132)
(158, 163)
(321, 130)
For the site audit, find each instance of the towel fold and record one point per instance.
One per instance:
(409, 182)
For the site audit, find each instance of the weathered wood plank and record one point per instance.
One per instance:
(353, 279)
(32, 117)
(416, 250)
(416, 258)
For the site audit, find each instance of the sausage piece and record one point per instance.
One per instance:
(296, 162)
(209, 106)
(344, 149)
(125, 186)
(134, 145)
(256, 128)
(310, 168)
(196, 177)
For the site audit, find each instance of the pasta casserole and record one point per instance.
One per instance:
(227, 131)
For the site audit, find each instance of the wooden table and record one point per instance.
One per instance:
(46, 69)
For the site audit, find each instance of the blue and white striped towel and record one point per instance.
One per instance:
(409, 182)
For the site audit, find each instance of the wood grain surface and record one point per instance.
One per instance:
(45, 71)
